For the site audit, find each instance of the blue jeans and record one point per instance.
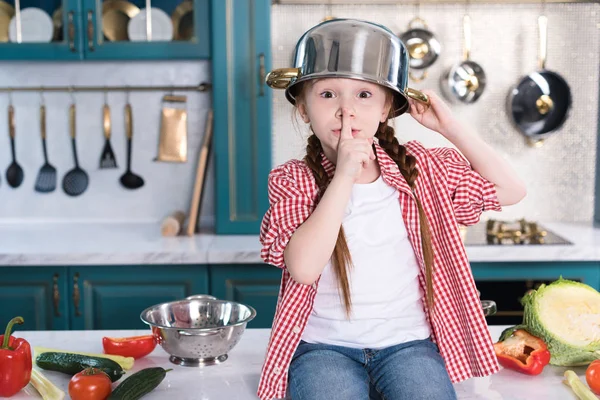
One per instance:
(413, 371)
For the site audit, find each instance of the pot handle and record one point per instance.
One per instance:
(489, 307)
(281, 78)
(467, 37)
(543, 31)
(411, 24)
(201, 297)
(418, 96)
(203, 334)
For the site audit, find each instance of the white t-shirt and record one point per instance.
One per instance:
(386, 297)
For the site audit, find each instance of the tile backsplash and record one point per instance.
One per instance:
(168, 186)
(560, 174)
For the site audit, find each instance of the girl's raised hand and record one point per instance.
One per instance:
(353, 154)
(438, 117)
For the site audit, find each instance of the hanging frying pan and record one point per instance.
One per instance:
(466, 80)
(539, 104)
(423, 47)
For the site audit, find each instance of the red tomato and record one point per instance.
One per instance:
(592, 376)
(90, 384)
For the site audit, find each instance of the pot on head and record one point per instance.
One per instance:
(350, 48)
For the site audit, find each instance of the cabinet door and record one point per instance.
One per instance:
(38, 294)
(253, 285)
(242, 116)
(113, 297)
(122, 30)
(50, 30)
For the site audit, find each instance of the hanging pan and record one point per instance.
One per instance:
(539, 104)
(466, 80)
(423, 47)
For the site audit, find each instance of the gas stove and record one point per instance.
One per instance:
(520, 232)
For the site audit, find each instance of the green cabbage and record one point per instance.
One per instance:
(566, 315)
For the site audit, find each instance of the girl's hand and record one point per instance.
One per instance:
(353, 154)
(438, 117)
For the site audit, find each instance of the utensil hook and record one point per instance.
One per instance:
(10, 99)
(105, 95)
(127, 91)
(42, 99)
(466, 33)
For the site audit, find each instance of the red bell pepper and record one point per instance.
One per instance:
(15, 361)
(134, 346)
(523, 352)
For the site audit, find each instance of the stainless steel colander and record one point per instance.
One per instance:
(199, 330)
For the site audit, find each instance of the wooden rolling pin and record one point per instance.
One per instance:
(173, 224)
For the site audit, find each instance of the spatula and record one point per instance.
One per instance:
(107, 159)
(46, 179)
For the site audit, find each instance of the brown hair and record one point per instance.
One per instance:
(341, 258)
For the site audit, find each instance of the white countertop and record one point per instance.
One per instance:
(237, 378)
(141, 243)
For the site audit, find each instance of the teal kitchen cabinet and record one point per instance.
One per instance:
(112, 297)
(38, 294)
(108, 36)
(63, 39)
(100, 30)
(241, 58)
(254, 285)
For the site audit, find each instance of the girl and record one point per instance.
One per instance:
(377, 299)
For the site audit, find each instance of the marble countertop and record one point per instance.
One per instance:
(141, 243)
(237, 378)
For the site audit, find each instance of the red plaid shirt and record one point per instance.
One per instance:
(451, 193)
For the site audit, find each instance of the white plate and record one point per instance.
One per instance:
(36, 26)
(162, 27)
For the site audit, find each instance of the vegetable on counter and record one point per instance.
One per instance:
(592, 376)
(566, 316)
(47, 389)
(578, 387)
(90, 384)
(139, 384)
(15, 361)
(125, 362)
(523, 352)
(71, 364)
(133, 346)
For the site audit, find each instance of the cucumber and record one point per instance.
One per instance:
(69, 363)
(139, 384)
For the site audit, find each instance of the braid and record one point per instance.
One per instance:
(341, 254)
(408, 167)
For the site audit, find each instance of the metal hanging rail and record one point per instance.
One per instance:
(202, 87)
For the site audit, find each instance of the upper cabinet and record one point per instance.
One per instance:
(241, 57)
(104, 29)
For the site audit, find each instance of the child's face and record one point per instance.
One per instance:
(367, 104)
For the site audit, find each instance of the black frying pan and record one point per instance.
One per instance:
(539, 104)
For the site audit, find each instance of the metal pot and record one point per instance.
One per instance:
(539, 104)
(423, 47)
(349, 48)
(466, 80)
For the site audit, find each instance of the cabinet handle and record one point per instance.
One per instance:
(76, 295)
(56, 295)
(90, 29)
(261, 73)
(71, 32)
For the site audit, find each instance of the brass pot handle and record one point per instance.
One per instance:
(418, 96)
(56, 295)
(76, 295)
(282, 77)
